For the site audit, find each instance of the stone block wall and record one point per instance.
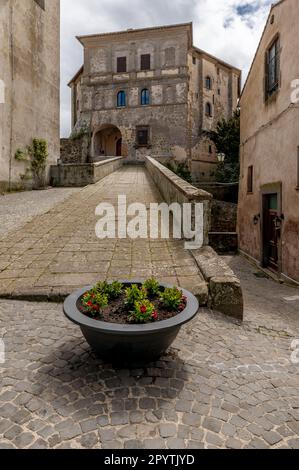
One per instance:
(224, 216)
(74, 150)
(29, 70)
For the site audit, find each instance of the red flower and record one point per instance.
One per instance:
(143, 309)
(181, 307)
(155, 316)
(184, 298)
(89, 304)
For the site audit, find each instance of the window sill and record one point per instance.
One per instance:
(272, 96)
(249, 193)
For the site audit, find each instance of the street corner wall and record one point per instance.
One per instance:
(32, 35)
(5, 98)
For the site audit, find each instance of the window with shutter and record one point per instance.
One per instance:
(142, 136)
(121, 64)
(272, 72)
(145, 62)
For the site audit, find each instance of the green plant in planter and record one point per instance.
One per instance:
(134, 294)
(94, 302)
(113, 291)
(172, 299)
(144, 312)
(152, 287)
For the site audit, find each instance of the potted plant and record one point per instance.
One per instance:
(130, 322)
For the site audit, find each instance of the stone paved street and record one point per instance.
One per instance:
(58, 251)
(221, 385)
(18, 208)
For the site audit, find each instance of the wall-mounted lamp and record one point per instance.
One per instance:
(221, 157)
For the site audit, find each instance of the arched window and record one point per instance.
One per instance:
(208, 83)
(121, 99)
(208, 109)
(145, 97)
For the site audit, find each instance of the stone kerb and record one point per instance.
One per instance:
(225, 291)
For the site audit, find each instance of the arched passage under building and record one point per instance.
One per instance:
(107, 142)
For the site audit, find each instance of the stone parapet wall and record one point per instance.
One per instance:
(224, 216)
(175, 189)
(80, 175)
(74, 150)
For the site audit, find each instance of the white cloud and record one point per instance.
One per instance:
(228, 29)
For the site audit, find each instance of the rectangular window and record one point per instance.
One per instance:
(121, 65)
(272, 68)
(145, 62)
(250, 180)
(142, 136)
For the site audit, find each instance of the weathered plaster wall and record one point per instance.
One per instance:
(270, 142)
(29, 66)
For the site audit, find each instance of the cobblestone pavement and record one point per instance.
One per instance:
(221, 385)
(18, 208)
(58, 251)
(269, 306)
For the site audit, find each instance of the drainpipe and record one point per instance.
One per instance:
(11, 51)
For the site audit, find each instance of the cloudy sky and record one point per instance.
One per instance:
(229, 29)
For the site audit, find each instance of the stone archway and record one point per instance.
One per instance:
(107, 142)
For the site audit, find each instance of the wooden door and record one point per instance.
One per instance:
(271, 231)
(118, 147)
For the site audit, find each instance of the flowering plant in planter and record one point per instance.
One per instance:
(152, 287)
(173, 299)
(138, 303)
(143, 312)
(134, 294)
(94, 301)
(130, 324)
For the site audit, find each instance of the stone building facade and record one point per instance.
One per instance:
(29, 82)
(268, 219)
(150, 91)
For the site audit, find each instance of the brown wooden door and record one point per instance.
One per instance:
(271, 231)
(118, 147)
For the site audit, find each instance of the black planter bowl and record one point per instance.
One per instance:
(129, 345)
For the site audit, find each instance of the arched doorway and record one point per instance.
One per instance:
(107, 142)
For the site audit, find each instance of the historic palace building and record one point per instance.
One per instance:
(150, 91)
